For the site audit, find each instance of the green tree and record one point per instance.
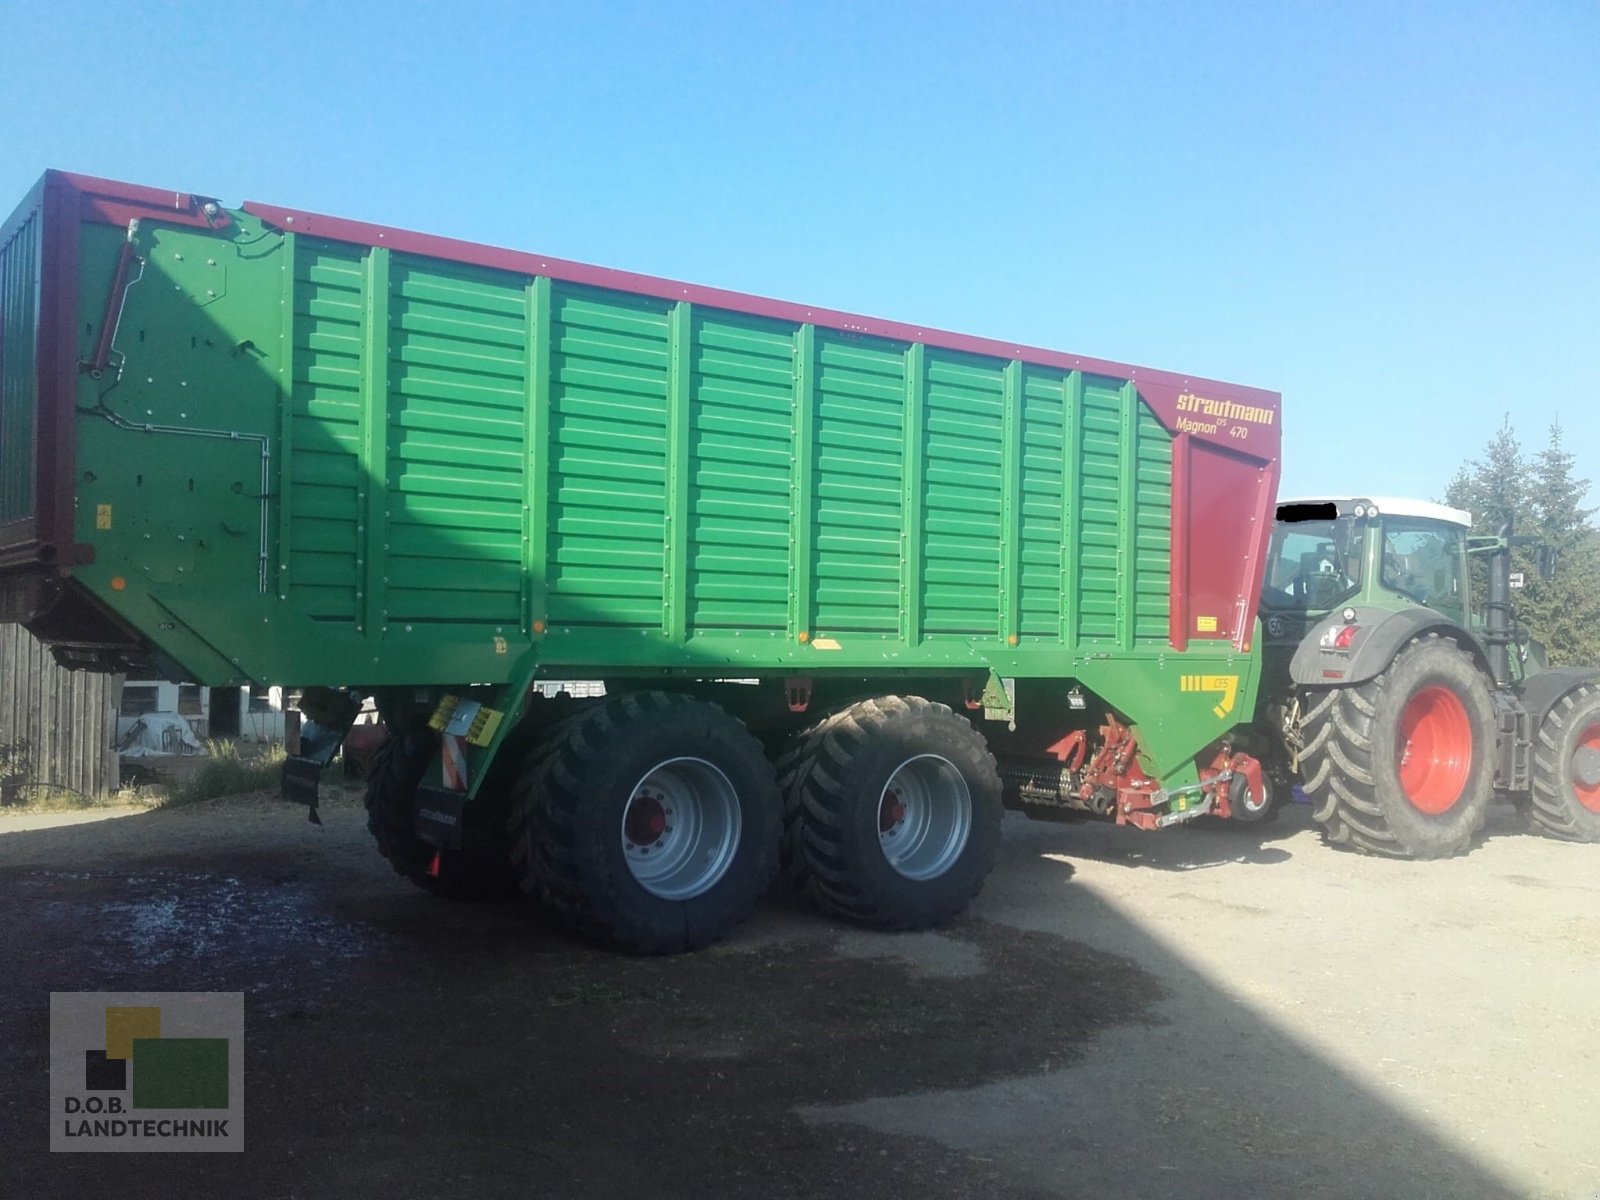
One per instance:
(1543, 496)
(1567, 608)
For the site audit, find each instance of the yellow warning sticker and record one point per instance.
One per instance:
(1226, 685)
(826, 644)
(1205, 624)
(102, 516)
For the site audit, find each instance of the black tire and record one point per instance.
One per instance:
(1245, 811)
(569, 808)
(1352, 755)
(794, 767)
(479, 872)
(848, 871)
(1565, 800)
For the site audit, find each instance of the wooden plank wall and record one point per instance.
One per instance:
(68, 718)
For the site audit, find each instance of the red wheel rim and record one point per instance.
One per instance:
(1435, 749)
(1589, 797)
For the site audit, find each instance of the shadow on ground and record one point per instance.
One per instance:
(401, 1046)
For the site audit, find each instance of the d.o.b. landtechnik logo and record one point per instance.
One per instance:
(147, 1071)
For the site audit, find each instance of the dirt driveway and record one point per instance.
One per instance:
(1194, 1014)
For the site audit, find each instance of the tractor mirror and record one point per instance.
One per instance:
(1545, 560)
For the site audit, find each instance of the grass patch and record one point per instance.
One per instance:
(226, 772)
(42, 798)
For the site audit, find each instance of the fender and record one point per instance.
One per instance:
(1540, 692)
(1380, 633)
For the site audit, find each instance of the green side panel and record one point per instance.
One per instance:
(961, 545)
(1099, 509)
(1040, 546)
(1152, 528)
(456, 446)
(860, 408)
(741, 432)
(485, 476)
(1123, 520)
(20, 266)
(609, 360)
(325, 403)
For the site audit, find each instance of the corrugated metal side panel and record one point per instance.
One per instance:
(1152, 531)
(964, 466)
(609, 355)
(859, 410)
(1099, 499)
(628, 377)
(1041, 550)
(456, 453)
(21, 265)
(1124, 517)
(741, 442)
(325, 400)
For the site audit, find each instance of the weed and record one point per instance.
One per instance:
(226, 772)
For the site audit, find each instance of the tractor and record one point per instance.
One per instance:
(1402, 703)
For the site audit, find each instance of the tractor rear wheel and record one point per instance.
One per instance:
(899, 814)
(649, 824)
(1566, 768)
(1402, 765)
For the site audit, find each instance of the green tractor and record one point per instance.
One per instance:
(1403, 703)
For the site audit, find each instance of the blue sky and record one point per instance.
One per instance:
(1388, 212)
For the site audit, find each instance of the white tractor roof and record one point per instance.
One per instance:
(1397, 506)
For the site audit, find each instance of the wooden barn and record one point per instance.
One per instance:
(57, 727)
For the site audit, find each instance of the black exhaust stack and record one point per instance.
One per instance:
(1497, 610)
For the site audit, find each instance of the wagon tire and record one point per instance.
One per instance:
(648, 823)
(480, 872)
(794, 766)
(899, 814)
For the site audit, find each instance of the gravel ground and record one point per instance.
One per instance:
(1199, 1013)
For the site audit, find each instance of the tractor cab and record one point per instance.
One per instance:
(1383, 555)
(1378, 553)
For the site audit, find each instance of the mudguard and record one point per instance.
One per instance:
(1380, 633)
(1540, 692)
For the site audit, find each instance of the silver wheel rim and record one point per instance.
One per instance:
(680, 828)
(1248, 803)
(924, 817)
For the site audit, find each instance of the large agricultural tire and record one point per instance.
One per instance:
(1566, 768)
(899, 814)
(649, 823)
(794, 767)
(1402, 765)
(479, 872)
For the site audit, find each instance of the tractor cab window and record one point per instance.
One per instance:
(1422, 561)
(1314, 563)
